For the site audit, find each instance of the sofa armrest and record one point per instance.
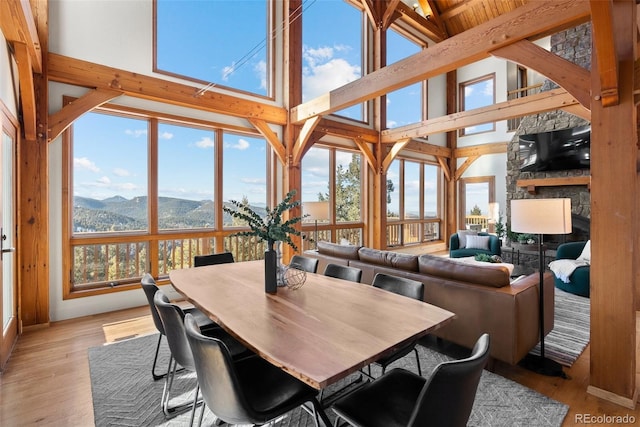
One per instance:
(454, 242)
(495, 245)
(570, 250)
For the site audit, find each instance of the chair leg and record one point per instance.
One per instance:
(195, 404)
(172, 411)
(418, 361)
(156, 377)
(318, 412)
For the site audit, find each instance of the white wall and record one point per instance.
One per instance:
(8, 67)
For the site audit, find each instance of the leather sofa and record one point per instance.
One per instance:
(482, 297)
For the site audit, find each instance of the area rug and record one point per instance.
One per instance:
(124, 393)
(570, 334)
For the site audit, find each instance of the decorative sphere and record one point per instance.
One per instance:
(294, 276)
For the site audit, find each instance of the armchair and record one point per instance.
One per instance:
(493, 246)
(579, 279)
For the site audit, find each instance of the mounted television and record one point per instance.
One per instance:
(556, 150)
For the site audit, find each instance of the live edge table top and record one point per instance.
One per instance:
(320, 333)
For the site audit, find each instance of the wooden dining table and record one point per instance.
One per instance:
(319, 333)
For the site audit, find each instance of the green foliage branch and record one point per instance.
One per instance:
(271, 228)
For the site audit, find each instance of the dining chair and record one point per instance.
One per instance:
(408, 288)
(310, 265)
(150, 288)
(212, 259)
(172, 317)
(400, 398)
(249, 390)
(343, 272)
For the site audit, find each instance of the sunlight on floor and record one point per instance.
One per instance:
(131, 328)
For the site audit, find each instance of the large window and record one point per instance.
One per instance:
(144, 195)
(406, 105)
(332, 35)
(333, 176)
(478, 93)
(225, 43)
(413, 202)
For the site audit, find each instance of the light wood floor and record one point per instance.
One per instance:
(47, 383)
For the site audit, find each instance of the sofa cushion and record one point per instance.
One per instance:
(336, 250)
(489, 275)
(390, 259)
(462, 237)
(478, 242)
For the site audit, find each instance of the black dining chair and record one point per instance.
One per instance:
(343, 272)
(400, 398)
(310, 265)
(212, 259)
(408, 288)
(172, 317)
(249, 390)
(150, 288)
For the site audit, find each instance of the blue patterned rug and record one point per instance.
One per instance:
(124, 394)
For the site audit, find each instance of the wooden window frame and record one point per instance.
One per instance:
(462, 98)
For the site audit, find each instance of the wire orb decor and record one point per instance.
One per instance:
(294, 276)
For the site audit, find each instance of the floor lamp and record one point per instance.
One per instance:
(541, 216)
(315, 211)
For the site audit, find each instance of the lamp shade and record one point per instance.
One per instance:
(315, 211)
(541, 216)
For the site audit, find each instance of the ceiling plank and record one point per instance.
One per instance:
(604, 45)
(527, 21)
(575, 79)
(18, 25)
(62, 119)
(27, 90)
(271, 137)
(543, 101)
(82, 73)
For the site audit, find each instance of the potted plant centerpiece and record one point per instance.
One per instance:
(271, 228)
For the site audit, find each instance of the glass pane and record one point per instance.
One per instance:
(223, 42)
(179, 253)
(109, 263)
(393, 191)
(479, 94)
(348, 187)
(109, 174)
(431, 200)
(332, 56)
(244, 173)
(315, 188)
(404, 106)
(186, 177)
(411, 190)
(477, 203)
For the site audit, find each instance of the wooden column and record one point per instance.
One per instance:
(614, 220)
(451, 192)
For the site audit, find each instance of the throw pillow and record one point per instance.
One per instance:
(462, 237)
(586, 253)
(478, 242)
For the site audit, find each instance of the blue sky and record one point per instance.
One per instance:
(202, 39)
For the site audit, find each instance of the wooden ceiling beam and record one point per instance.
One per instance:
(428, 149)
(271, 137)
(575, 79)
(527, 21)
(62, 119)
(604, 45)
(435, 14)
(27, 90)
(18, 25)
(87, 74)
(543, 101)
(389, 13)
(393, 153)
(304, 141)
(425, 25)
(481, 149)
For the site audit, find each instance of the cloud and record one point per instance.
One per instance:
(487, 89)
(121, 172)
(136, 132)
(468, 90)
(206, 142)
(103, 181)
(227, 71)
(323, 72)
(165, 135)
(254, 181)
(241, 145)
(84, 163)
(261, 70)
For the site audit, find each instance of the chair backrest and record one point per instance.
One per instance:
(212, 259)
(172, 317)
(343, 272)
(399, 285)
(221, 389)
(150, 288)
(310, 265)
(447, 397)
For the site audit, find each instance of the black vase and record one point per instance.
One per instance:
(270, 270)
